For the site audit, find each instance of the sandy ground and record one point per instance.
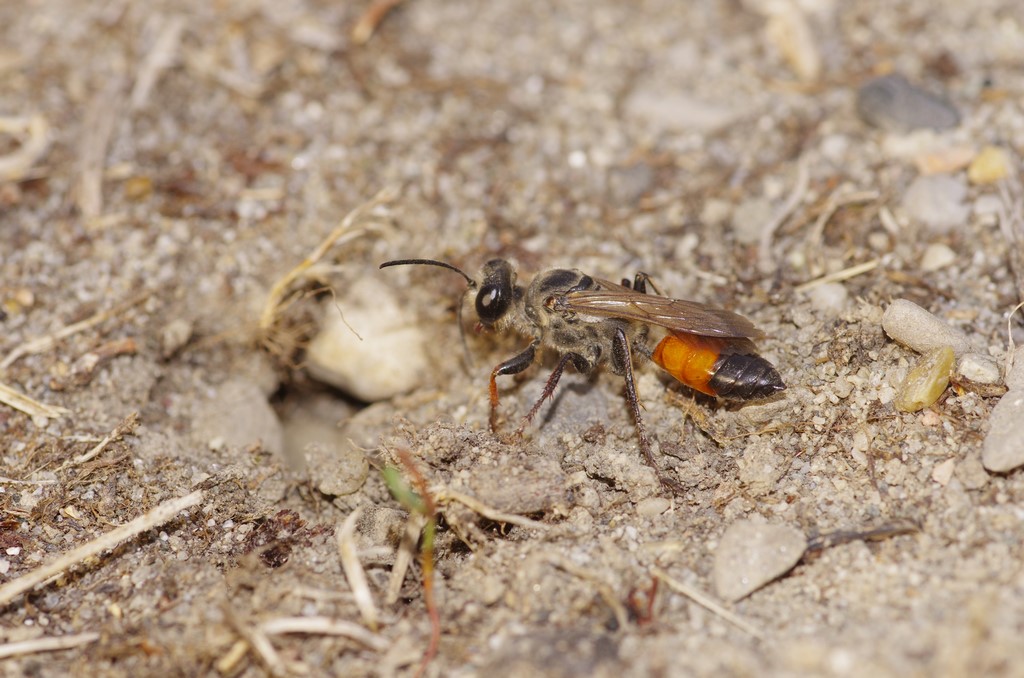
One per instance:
(164, 164)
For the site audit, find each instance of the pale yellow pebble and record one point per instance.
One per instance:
(989, 166)
(926, 380)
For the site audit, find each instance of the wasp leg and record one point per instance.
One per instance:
(579, 362)
(640, 282)
(513, 365)
(623, 357)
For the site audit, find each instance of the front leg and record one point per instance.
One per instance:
(579, 362)
(513, 365)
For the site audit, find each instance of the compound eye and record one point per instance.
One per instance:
(491, 303)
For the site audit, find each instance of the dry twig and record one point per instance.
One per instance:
(708, 603)
(424, 505)
(256, 640)
(85, 367)
(98, 127)
(126, 427)
(367, 24)
(816, 235)
(157, 516)
(766, 257)
(227, 663)
(46, 644)
(403, 559)
(354, 570)
(17, 165)
(15, 481)
(604, 589)
(444, 495)
(324, 626)
(282, 294)
(48, 341)
(161, 55)
(839, 276)
(30, 406)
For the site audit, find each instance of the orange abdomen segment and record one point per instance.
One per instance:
(690, 359)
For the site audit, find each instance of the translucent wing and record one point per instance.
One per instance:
(679, 315)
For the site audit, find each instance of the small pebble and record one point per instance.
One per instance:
(913, 326)
(979, 368)
(893, 103)
(492, 588)
(749, 218)
(790, 31)
(971, 473)
(829, 298)
(937, 202)
(675, 111)
(988, 207)
(751, 554)
(715, 212)
(802, 317)
(1015, 377)
(385, 359)
(943, 473)
(937, 256)
(926, 380)
(25, 297)
(991, 165)
(174, 336)
(835, 147)
(1003, 450)
(760, 468)
(944, 160)
(652, 506)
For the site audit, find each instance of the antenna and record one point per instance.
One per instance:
(458, 313)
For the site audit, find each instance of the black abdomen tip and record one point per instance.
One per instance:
(743, 376)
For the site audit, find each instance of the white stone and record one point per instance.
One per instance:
(829, 298)
(1003, 450)
(937, 202)
(1015, 377)
(979, 368)
(751, 554)
(385, 359)
(669, 111)
(937, 256)
(652, 506)
(913, 326)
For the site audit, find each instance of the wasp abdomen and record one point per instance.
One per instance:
(725, 367)
(744, 376)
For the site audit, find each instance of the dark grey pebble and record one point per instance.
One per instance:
(892, 103)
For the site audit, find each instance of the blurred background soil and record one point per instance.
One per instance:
(166, 166)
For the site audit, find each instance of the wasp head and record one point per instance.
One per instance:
(497, 292)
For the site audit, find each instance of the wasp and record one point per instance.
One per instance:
(590, 322)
